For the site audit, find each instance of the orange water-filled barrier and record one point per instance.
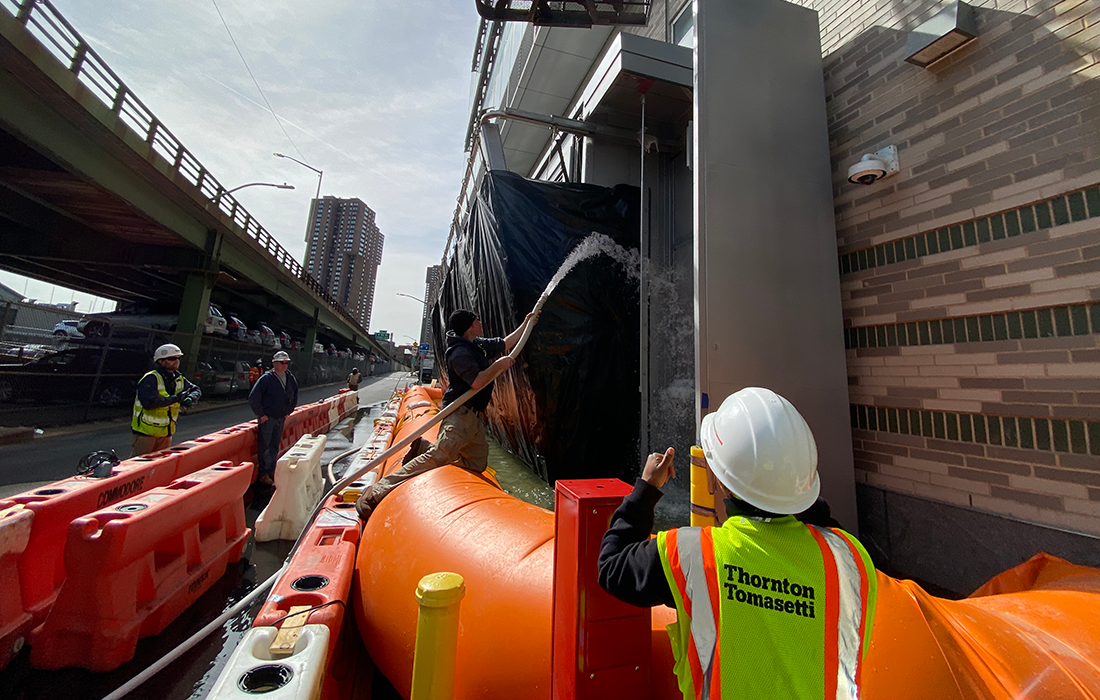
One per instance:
(315, 587)
(134, 567)
(1033, 631)
(38, 568)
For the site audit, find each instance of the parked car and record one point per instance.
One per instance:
(229, 376)
(253, 336)
(318, 349)
(237, 328)
(216, 323)
(140, 317)
(267, 336)
(68, 329)
(204, 377)
(69, 375)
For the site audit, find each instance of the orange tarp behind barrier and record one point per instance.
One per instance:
(1031, 632)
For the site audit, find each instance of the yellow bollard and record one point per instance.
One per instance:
(702, 498)
(439, 596)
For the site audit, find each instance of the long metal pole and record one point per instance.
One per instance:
(643, 305)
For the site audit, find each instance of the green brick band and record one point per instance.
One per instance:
(1058, 211)
(1050, 322)
(1029, 433)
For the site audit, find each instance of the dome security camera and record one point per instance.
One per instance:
(872, 167)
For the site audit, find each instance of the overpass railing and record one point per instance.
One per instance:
(61, 39)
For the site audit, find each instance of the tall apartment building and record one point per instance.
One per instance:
(344, 252)
(962, 290)
(432, 280)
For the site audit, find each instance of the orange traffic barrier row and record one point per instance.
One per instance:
(40, 568)
(134, 567)
(315, 588)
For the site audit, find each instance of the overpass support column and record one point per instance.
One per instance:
(192, 319)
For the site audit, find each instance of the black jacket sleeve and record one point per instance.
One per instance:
(192, 392)
(629, 564)
(256, 396)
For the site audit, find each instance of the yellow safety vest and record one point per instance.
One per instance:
(768, 609)
(157, 422)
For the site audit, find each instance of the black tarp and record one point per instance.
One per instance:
(570, 407)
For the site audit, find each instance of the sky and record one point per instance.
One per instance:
(375, 94)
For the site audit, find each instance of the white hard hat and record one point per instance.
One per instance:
(280, 356)
(760, 447)
(167, 351)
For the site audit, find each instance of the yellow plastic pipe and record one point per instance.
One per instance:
(702, 499)
(439, 596)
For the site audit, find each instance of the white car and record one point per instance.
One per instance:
(216, 324)
(67, 329)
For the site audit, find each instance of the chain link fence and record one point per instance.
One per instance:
(52, 374)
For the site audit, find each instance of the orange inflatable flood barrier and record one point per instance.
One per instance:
(134, 567)
(1032, 631)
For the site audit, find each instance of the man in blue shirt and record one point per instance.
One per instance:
(471, 362)
(273, 398)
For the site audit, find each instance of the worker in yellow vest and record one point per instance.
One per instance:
(767, 605)
(160, 393)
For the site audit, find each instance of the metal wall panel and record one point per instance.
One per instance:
(767, 286)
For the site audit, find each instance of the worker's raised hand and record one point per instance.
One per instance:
(503, 363)
(659, 468)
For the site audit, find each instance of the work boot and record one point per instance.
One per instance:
(416, 448)
(266, 480)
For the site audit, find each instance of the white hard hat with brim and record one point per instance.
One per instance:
(761, 449)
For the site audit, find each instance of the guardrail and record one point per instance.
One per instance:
(43, 21)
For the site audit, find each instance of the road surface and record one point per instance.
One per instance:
(55, 455)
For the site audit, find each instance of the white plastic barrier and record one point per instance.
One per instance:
(252, 670)
(298, 486)
(333, 412)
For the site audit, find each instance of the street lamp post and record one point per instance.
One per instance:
(283, 186)
(410, 296)
(320, 173)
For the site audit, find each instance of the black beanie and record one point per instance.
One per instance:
(460, 321)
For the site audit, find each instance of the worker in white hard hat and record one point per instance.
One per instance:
(274, 396)
(160, 393)
(768, 605)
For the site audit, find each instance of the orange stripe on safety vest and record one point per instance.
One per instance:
(673, 552)
(832, 613)
(864, 586)
(711, 568)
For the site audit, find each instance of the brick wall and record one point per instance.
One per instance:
(969, 280)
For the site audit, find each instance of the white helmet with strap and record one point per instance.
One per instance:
(760, 447)
(167, 351)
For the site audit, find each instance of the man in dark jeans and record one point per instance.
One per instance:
(273, 398)
(471, 360)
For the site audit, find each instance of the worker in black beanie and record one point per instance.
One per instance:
(471, 361)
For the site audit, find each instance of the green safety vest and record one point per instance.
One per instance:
(768, 609)
(157, 422)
